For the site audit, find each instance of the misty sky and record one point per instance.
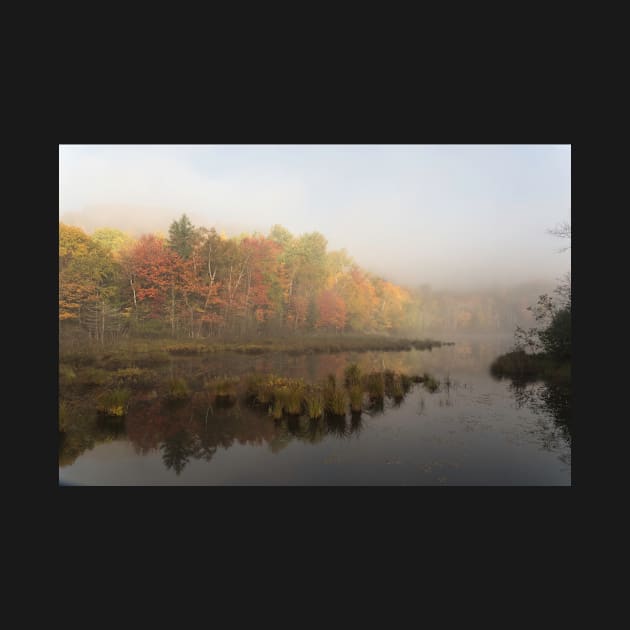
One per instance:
(450, 216)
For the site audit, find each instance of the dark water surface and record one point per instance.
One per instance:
(477, 431)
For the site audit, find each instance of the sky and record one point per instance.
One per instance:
(451, 216)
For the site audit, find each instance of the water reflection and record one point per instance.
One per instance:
(547, 398)
(432, 426)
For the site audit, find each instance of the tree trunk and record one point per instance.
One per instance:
(173, 310)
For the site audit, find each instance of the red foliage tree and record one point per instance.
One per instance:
(332, 310)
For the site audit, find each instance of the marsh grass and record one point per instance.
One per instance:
(157, 357)
(406, 382)
(93, 377)
(375, 386)
(114, 402)
(352, 375)
(356, 398)
(135, 377)
(223, 387)
(148, 352)
(67, 375)
(338, 403)
(276, 409)
(396, 390)
(314, 401)
(177, 390)
(430, 383)
(389, 376)
(294, 396)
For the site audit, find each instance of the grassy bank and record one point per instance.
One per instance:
(145, 353)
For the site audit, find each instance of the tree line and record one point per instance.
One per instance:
(197, 283)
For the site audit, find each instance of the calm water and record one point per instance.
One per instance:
(477, 431)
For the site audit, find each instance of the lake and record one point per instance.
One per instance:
(475, 430)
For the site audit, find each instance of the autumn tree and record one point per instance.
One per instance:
(111, 240)
(332, 311)
(87, 282)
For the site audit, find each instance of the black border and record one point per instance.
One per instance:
(378, 113)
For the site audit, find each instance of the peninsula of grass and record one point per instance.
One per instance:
(148, 353)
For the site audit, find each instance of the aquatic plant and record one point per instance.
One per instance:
(114, 402)
(276, 409)
(223, 387)
(293, 397)
(406, 382)
(431, 383)
(177, 389)
(66, 374)
(338, 402)
(388, 379)
(135, 377)
(314, 399)
(356, 398)
(352, 375)
(92, 377)
(375, 385)
(396, 390)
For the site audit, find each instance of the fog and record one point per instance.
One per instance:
(453, 217)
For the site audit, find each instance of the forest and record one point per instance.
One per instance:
(195, 283)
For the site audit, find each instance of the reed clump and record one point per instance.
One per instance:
(352, 375)
(135, 377)
(114, 402)
(176, 390)
(375, 386)
(431, 383)
(223, 387)
(276, 409)
(338, 402)
(356, 398)
(93, 377)
(396, 390)
(314, 401)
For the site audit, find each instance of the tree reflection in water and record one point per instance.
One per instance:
(195, 429)
(551, 400)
